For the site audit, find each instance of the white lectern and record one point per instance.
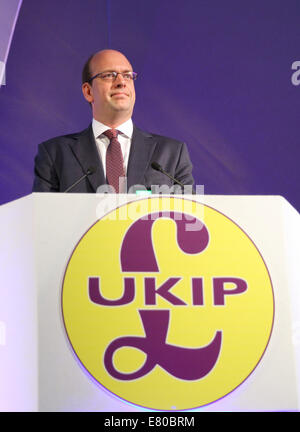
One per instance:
(43, 369)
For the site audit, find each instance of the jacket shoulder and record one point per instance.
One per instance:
(63, 140)
(159, 138)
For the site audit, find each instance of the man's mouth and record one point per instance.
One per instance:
(119, 94)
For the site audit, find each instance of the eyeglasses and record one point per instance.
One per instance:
(112, 76)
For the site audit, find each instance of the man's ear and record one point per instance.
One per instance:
(87, 92)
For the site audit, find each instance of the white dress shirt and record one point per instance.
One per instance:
(102, 142)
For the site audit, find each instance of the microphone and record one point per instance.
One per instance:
(89, 171)
(158, 167)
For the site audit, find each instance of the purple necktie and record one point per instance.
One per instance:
(114, 160)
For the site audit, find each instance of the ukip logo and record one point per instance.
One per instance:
(188, 317)
(191, 364)
(182, 363)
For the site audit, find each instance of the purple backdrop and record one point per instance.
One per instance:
(215, 74)
(8, 14)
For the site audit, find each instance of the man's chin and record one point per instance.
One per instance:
(121, 107)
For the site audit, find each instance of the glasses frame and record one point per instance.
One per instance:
(99, 75)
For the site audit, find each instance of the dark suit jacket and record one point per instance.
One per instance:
(61, 161)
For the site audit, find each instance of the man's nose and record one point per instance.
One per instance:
(120, 81)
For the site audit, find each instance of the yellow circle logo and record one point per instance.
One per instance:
(167, 303)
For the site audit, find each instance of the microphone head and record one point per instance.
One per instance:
(91, 170)
(156, 166)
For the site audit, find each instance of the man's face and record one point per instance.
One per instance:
(112, 101)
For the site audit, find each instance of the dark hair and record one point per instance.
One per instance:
(86, 73)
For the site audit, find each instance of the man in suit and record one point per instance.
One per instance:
(112, 147)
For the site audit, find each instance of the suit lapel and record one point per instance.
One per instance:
(142, 147)
(85, 150)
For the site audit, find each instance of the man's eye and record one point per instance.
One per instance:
(108, 75)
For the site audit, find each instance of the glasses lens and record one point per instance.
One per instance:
(129, 76)
(111, 76)
(108, 76)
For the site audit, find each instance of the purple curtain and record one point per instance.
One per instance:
(222, 76)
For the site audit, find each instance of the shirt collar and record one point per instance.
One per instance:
(125, 128)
